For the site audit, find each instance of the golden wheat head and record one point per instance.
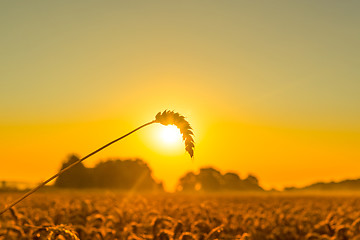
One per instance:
(172, 118)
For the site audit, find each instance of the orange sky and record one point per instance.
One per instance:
(270, 89)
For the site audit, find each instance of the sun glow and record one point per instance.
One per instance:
(170, 135)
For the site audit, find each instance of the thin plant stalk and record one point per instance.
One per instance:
(70, 166)
(166, 118)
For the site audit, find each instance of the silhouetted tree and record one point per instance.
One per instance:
(251, 183)
(211, 180)
(76, 177)
(187, 183)
(117, 174)
(231, 181)
(124, 175)
(251, 179)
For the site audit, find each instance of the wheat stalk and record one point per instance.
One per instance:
(165, 118)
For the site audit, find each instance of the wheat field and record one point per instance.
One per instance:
(108, 215)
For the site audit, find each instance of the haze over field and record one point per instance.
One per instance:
(270, 89)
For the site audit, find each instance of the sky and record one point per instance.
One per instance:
(270, 88)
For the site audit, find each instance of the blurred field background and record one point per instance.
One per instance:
(110, 215)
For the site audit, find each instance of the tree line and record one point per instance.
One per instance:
(136, 175)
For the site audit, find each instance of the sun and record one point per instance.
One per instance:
(164, 140)
(170, 135)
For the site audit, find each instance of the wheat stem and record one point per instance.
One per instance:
(70, 166)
